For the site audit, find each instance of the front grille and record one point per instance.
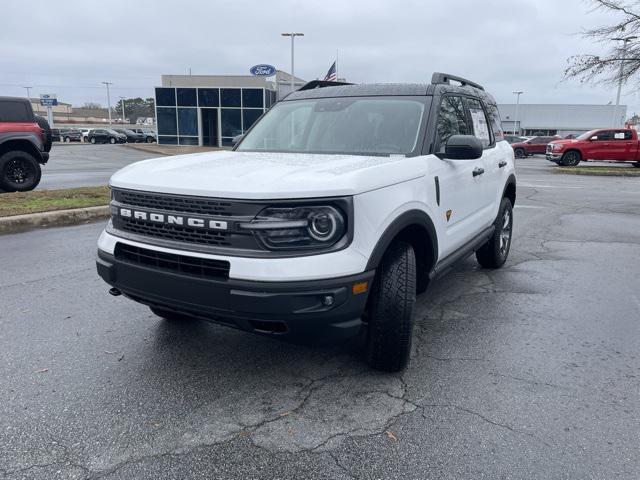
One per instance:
(175, 203)
(173, 232)
(169, 262)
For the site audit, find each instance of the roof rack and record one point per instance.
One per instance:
(439, 78)
(321, 84)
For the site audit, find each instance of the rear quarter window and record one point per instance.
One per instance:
(15, 111)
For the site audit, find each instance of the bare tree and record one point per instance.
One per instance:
(606, 68)
(92, 105)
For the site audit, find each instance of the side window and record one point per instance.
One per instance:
(481, 128)
(604, 136)
(495, 122)
(452, 120)
(15, 111)
(622, 135)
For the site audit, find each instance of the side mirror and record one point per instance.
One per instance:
(463, 147)
(236, 139)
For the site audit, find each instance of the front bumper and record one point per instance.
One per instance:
(554, 157)
(292, 311)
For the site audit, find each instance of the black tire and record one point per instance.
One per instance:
(93, 140)
(389, 315)
(44, 125)
(112, 140)
(571, 158)
(637, 164)
(170, 315)
(520, 153)
(19, 172)
(149, 140)
(494, 253)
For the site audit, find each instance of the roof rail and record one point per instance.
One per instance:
(321, 84)
(439, 78)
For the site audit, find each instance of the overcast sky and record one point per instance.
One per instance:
(69, 47)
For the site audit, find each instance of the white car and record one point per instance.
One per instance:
(331, 213)
(85, 133)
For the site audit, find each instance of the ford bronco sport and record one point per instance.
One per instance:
(25, 142)
(332, 212)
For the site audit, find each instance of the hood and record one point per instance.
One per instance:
(259, 176)
(565, 141)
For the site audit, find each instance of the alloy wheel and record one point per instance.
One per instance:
(505, 232)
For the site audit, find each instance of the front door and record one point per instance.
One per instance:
(599, 146)
(460, 210)
(209, 127)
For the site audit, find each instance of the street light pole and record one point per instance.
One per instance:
(293, 36)
(124, 118)
(108, 99)
(515, 120)
(28, 94)
(626, 40)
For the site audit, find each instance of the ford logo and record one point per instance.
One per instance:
(263, 70)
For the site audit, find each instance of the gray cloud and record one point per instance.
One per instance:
(70, 47)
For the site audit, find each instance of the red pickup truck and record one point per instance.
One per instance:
(618, 145)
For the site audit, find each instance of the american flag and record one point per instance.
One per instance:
(331, 75)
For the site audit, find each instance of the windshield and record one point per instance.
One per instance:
(349, 125)
(587, 135)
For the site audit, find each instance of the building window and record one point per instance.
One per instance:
(166, 97)
(231, 122)
(208, 97)
(230, 97)
(167, 124)
(188, 121)
(187, 97)
(188, 140)
(164, 140)
(249, 117)
(252, 97)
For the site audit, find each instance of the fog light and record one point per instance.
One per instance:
(327, 300)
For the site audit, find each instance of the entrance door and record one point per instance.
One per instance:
(209, 127)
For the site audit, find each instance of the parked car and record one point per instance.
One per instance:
(55, 135)
(70, 135)
(131, 136)
(532, 146)
(25, 142)
(85, 133)
(106, 135)
(514, 139)
(149, 135)
(325, 230)
(616, 145)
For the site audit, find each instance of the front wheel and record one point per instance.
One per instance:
(112, 140)
(19, 172)
(67, 140)
(570, 159)
(149, 139)
(389, 316)
(93, 140)
(520, 153)
(494, 253)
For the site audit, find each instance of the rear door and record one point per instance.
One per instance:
(462, 196)
(623, 146)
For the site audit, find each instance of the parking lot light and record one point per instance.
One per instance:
(515, 120)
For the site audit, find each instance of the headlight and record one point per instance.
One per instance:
(556, 146)
(304, 227)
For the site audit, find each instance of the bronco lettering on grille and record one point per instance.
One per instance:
(194, 222)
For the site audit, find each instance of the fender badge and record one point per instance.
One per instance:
(448, 215)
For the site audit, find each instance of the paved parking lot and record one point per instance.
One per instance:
(81, 165)
(531, 371)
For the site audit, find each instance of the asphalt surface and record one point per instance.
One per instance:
(82, 165)
(528, 372)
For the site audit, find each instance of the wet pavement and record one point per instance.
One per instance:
(531, 371)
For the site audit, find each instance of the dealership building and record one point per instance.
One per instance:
(558, 119)
(210, 110)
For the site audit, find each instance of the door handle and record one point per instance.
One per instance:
(478, 171)
(502, 164)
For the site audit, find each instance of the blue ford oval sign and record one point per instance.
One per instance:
(263, 70)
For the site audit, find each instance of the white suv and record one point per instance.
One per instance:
(331, 213)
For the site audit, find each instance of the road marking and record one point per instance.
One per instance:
(546, 186)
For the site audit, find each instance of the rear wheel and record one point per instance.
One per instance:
(19, 171)
(149, 139)
(171, 315)
(494, 253)
(67, 139)
(520, 153)
(389, 315)
(93, 140)
(570, 159)
(112, 140)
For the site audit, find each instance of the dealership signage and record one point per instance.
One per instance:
(48, 99)
(263, 70)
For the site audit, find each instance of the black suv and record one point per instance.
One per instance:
(106, 135)
(132, 137)
(25, 142)
(70, 135)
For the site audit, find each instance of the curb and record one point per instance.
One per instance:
(56, 218)
(624, 172)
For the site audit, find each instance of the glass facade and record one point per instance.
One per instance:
(208, 116)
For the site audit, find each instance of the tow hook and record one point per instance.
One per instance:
(115, 292)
